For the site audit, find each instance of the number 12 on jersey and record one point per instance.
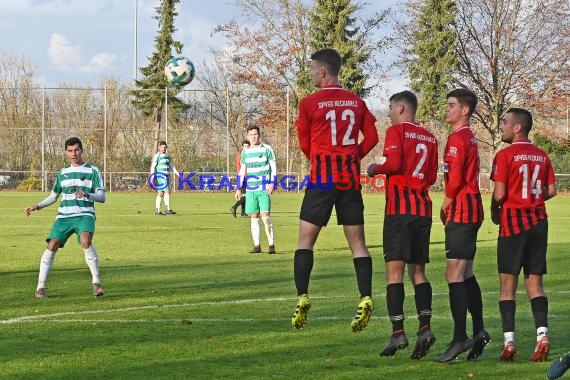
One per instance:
(347, 114)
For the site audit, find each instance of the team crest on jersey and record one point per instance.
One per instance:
(453, 151)
(445, 167)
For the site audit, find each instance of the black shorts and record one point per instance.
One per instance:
(318, 203)
(406, 238)
(461, 240)
(526, 250)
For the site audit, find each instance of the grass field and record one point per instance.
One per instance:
(184, 299)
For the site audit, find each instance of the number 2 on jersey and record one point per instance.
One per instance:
(535, 183)
(346, 114)
(420, 148)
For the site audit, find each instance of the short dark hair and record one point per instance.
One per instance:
(522, 117)
(162, 143)
(252, 127)
(465, 97)
(407, 97)
(73, 141)
(330, 59)
(245, 142)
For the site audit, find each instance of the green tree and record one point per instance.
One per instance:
(148, 97)
(433, 57)
(559, 153)
(333, 25)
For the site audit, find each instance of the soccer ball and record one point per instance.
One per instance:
(179, 71)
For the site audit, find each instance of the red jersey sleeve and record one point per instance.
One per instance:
(500, 170)
(369, 132)
(303, 124)
(454, 161)
(432, 168)
(392, 151)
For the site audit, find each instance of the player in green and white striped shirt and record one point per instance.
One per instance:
(162, 163)
(80, 185)
(258, 164)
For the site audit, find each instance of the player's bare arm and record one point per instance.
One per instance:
(550, 192)
(499, 193)
(444, 206)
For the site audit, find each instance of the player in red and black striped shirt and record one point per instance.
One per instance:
(462, 214)
(410, 163)
(524, 179)
(329, 125)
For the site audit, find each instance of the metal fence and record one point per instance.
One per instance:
(118, 137)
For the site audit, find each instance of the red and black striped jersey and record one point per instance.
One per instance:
(526, 171)
(461, 176)
(410, 167)
(329, 125)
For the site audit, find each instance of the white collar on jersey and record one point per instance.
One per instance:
(414, 124)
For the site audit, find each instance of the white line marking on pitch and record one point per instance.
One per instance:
(50, 317)
(135, 308)
(215, 320)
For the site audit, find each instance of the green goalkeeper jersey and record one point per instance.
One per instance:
(85, 177)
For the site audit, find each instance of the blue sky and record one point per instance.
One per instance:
(82, 41)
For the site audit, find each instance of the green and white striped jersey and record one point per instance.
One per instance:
(162, 163)
(257, 162)
(85, 177)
